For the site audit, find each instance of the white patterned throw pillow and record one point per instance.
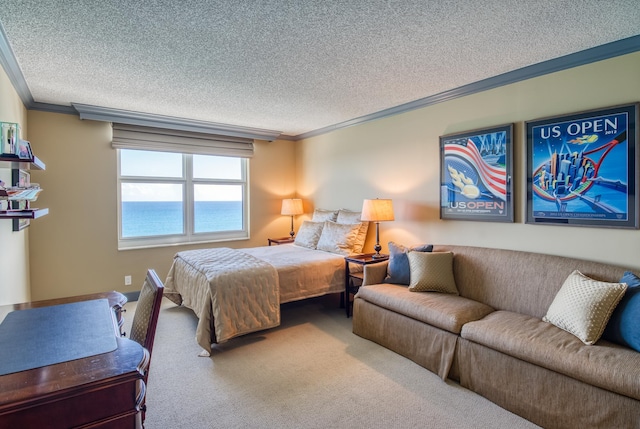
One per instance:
(583, 306)
(309, 234)
(349, 217)
(321, 215)
(338, 238)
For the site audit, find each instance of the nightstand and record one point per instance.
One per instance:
(283, 240)
(353, 281)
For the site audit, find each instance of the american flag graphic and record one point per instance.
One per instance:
(494, 178)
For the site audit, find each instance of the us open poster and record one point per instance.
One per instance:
(476, 175)
(581, 169)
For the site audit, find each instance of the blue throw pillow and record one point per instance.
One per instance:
(398, 270)
(624, 325)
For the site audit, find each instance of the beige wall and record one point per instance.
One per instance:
(398, 157)
(14, 259)
(74, 248)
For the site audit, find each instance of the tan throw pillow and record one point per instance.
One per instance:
(349, 217)
(321, 215)
(432, 272)
(337, 238)
(583, 306)
(309, 234)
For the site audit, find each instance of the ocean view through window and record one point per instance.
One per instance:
(169, 198)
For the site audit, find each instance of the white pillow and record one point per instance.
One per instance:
(583, 306)
(338, 238)
(309, 234)
(321, 215)
(349, 217)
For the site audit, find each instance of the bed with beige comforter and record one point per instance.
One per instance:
(238, 291)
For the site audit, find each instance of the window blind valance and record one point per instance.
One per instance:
(166, 140)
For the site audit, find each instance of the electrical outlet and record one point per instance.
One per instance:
(127, 280)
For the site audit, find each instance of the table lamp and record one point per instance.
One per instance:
(378, 210)
(292, 207)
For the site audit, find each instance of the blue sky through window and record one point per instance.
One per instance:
(140, 164)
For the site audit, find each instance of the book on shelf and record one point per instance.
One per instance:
(17, 194)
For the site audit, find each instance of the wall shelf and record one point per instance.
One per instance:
(23, 214)
(21, 217)
(34, 163)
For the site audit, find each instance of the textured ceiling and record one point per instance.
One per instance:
(293, 66)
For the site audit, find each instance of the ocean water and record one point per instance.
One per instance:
(151, 218)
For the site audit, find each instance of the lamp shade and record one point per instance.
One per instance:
(378, 210)
(292, 207)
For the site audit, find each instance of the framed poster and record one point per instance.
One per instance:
(582, 169)
(475, 175)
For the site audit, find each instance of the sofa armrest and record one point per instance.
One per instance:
(375, 273)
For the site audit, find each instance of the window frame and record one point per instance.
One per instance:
(187, 181)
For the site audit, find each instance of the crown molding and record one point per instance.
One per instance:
(11, 67)
(53, 108)
(598, 53)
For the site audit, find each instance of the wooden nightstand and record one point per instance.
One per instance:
(353, 281)
(283, 240)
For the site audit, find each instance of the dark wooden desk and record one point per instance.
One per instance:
(101, 391)
(116, 301)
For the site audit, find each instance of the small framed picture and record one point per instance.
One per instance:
(582, 169)
(20, 224)
(20, 178)
(10, 136)
(475, 175)
(23, 149)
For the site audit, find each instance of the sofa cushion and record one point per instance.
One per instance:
(583, 306)
(432, 272)
(624, 324)
(604, 364)
(445, 311)
(522, 282)
(398, 270)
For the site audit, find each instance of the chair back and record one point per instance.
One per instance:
(145, 319)
(143, 327)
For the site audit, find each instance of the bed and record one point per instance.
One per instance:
(234, 292)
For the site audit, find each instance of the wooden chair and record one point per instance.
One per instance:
(145, 320)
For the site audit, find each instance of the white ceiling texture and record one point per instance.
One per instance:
(295, 67)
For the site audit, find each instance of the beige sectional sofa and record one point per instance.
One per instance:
(492, 339)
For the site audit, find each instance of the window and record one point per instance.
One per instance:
(169, 198)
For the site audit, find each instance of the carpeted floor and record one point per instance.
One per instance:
(311, 372)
